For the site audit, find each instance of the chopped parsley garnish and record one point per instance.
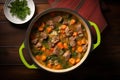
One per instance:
(19, 8)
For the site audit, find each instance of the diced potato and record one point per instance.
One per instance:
(53, 33)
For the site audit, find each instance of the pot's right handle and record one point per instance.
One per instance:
(97, 33)
(23, 59)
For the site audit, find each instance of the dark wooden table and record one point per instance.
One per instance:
(102, 64)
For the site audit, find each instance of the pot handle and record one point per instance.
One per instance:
(23, 59)
(97, 33)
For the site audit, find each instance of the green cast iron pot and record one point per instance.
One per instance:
(91, 45)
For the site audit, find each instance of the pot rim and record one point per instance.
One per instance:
(84, 21)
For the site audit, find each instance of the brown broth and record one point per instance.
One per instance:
(58, 41)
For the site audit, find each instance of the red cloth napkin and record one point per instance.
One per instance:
(89, 9)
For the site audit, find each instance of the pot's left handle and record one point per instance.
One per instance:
(23, 59)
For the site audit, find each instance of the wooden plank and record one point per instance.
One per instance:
(41, 7)
(83, 72)
(2, 16)
(10, 56)
(2, 1)
(11, 34)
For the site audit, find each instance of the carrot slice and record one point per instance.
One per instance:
(58, 66)
(49, 29)
(75, 33)
(37, 57)
(60, 45)
(83, 41)
(63, 27)
(43, 48)
(77, 60)
(65, 45)
(43, 57)
(72, 61)
(79, 49)
(79, 42)
(49, 65)
(41, 27)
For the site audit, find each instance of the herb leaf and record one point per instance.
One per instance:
(19, 8)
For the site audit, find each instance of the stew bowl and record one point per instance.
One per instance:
(59, 40)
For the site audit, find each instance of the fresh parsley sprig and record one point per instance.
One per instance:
(19, 8)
